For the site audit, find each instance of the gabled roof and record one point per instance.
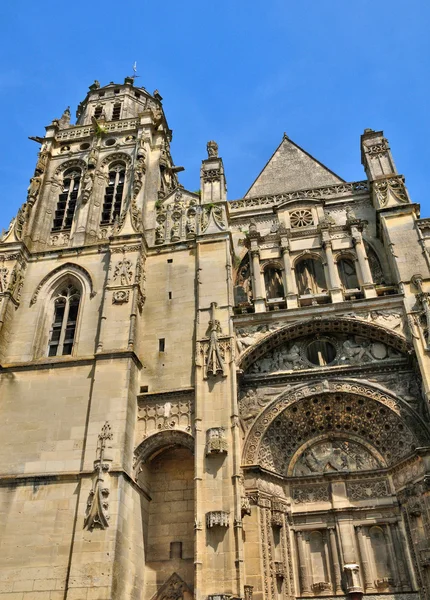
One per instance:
(289, 169)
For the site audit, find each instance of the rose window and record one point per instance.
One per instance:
(301, 218)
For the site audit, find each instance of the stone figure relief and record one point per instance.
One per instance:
(253, 400)
(335, 455)
(323, 351)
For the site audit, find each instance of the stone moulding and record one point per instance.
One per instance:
(330, 191)
(217, 518)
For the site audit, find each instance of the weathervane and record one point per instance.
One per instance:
(135, 70)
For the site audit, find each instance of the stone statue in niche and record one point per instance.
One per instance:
(87, 186)
(190, 226)
(335, 456)
(34, 188)
(175, 233)
(159, 233)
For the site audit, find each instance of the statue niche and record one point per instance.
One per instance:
(243, 285)
(310, 276)
(273, 283)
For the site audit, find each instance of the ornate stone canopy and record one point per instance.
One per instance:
(359, 426)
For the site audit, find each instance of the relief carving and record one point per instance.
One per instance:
(335, 456)
(216, 441)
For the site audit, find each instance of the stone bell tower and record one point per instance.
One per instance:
(211, 399)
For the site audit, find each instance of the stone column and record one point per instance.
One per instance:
(291, 294)
(367, 572)
(366, 275)
(259, 302)
(303, 568)
(400, 556)
(333, 276)
(335, 560)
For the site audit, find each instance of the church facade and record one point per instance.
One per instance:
(209, 398)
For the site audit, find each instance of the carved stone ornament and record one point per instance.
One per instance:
(248, 591)
(97, 504)
(217, 518)
(392, 186)
(245, 506)
(120, 296)
(123, 273)
(216, 441)
(212, 148)
(327, 191)
(174, 588)
(353, 584)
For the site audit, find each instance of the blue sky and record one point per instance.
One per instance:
(240, 72)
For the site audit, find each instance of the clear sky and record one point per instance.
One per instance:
(240, 72)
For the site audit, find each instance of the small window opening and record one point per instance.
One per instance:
(321, 352)
(170, 260)
(161, 344)
(137, 94)
(116, 91)
(143, 389)
(116, 112)
(175, 549)
(170, 295)
(98, 112)
(101, 94)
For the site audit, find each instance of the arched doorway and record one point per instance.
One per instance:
(165, 474)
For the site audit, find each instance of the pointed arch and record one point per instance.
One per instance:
(287, 405)
(56, 274)
(162, 441)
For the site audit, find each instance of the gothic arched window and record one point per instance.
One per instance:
(116, 111)
(63, 330)
(347, 274)
(113, 194)
(310, 276)
(67, 200)
(273, 282)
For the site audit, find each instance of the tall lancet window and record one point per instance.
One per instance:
(114, 193)
(67, 200)
(63, 330)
